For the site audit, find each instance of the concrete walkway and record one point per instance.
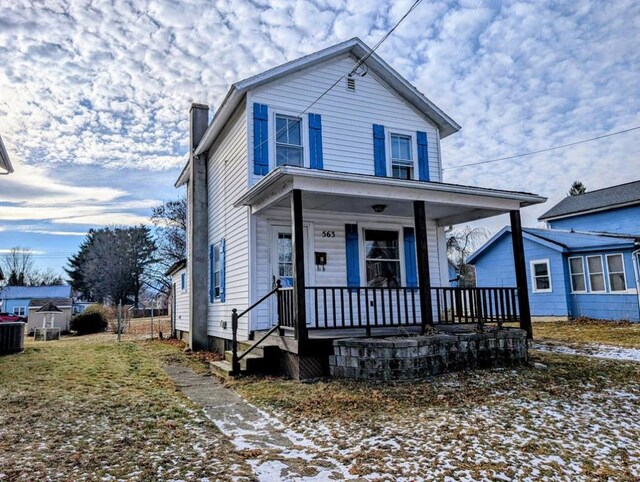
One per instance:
(273, 451)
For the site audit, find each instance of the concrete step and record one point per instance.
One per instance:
(221, 369)
(247, 362)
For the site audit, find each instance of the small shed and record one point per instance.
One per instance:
(36, 317)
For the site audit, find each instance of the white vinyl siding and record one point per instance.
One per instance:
(227, 180)
(347, 117)
(182, 300)
(334, 272)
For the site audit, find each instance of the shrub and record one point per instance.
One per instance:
(92, 320)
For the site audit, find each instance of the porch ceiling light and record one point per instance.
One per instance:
(379, 208)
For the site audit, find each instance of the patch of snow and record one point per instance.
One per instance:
(597, 351)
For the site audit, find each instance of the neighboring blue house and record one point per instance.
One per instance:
(15, 299)
(586, 264)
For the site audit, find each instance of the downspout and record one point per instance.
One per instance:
(636, 268)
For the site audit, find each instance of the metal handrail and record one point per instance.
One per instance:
(235, 360)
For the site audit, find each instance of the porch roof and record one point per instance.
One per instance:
(357, 193)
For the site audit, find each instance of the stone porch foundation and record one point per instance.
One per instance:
(413, 358)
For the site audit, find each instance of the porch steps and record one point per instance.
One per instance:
(263, 360)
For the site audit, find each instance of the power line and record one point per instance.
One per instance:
(355, 67)
(516, 156)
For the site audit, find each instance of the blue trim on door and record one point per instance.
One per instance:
(353, 257)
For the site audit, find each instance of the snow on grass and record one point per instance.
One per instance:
(575, 421)
(596, 351)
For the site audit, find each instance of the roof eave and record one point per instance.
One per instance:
(5, 162)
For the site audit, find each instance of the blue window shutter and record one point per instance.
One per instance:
(353, 259)
(410, 266)
(211, 287)
(183, 281)
(223, 256)
(423, 156)
(315, 141)
(379, 152)
(260, 139)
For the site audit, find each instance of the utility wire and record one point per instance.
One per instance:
(351, 72)
(516, 156)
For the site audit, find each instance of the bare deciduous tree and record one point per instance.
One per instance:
(170, 221)
(460, 244)
(19, 266)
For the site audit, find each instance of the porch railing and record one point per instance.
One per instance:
(330, 307)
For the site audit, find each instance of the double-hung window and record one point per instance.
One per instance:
(615, 267)
(288, 141)
(578, 280)
(541, 274)
(382, 258)
(216, 270)
(402, 166)
(596, 274)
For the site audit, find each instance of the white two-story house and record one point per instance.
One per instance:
(325, 181)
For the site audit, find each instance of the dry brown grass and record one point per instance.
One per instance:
(585, 331)
(87, 408)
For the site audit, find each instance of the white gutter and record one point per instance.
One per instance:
(5, 162)
(635, 257)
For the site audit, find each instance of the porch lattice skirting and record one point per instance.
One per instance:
(424, 356)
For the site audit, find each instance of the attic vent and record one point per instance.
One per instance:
(351, 84)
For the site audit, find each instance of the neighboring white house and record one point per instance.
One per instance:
(179, 298)
(335, 192)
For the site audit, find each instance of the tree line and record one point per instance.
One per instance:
(113, 263)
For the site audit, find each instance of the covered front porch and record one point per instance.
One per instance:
(366, 256)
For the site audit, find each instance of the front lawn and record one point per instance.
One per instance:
(87, 408)
(582, 332)
(576, 419)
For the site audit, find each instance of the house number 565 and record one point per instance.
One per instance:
(328, 234)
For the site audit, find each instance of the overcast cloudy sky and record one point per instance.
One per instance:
(94, 95)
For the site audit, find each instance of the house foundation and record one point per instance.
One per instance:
(413, 358)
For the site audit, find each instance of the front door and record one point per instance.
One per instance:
(282, 262)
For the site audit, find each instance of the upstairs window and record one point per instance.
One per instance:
(615, 267)
(401, 157)
(288, 141)
(382, 258)
(596, 274)
(183, 281)
(578, 281)
(541, 275)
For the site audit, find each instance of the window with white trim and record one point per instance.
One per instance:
(19, 310)
(288, 137)
(216, 270)
(541, 276)
(596, 274)
(402, 164)
(615, 268)
(382, 258)
(578, 279)
(183, 281)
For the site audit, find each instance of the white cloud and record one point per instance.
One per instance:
(119, 79)
(32, 251)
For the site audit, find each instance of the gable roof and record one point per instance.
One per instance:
(599, 200)
(5, 162)
(175, 267)
(48, 306)
(562, 241)
(30, 292)
(355, 47)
